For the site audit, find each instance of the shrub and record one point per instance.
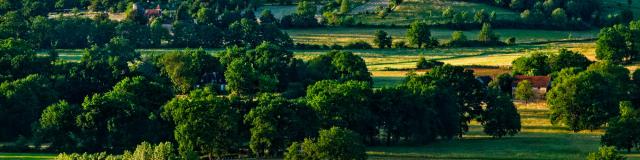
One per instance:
(511, 41)
(359, 44)
(334, 143)
(400, 44)
(605, 153)
(428, 64)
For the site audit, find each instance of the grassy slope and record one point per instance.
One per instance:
(411, 10)
(26, 156)
(538, 140)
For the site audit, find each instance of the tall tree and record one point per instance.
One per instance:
(205, 123)
(419, 34)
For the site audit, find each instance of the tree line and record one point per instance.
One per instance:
(114, 98)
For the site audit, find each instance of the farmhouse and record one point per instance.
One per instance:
(156, 12)
(541, 84)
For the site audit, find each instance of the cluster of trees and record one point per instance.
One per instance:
(419, 34)
(540, 64)
(562, 13)
(619, 44)
(208, 25)
(211, 105)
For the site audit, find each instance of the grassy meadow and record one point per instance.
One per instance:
(412, 10)
(342, 36)
(26, 156)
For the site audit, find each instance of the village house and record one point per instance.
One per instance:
(540, 84)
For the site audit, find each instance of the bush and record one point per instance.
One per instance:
(144, 151)
(605, 153)
(428, 64)
(359, 44)
(511, 41)
(400, 44)
(334, 143)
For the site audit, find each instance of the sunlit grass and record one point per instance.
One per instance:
(27, 156)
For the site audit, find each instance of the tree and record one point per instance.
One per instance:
(266, 17)
(486, 34)
(428, 64)
(342, 104)
(205, 123)
(534, 64)
(382, 39)
(274, 123)
(57, 125)
(567, 59)
(605, 153)
(419, 34)
(19, 60)
(611, 45)
(335, 143)
(504, 83)
(582, 100)
(621, 132)
(21, 104)
(524, 91)
(338, 65)
(469, 92)
(191, 68)
(344, 6)
(501, 117)
(559, 16)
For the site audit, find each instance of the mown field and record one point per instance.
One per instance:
(342, 36)
(26, 156)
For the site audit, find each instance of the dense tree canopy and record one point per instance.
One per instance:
(205, 123)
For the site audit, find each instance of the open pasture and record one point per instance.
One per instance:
(26, 156)
(342, 35)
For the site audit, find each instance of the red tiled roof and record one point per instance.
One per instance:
(536, 81)
(152, 12)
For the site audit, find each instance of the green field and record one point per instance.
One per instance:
(412, 10)
(26, 156)
(340, 35)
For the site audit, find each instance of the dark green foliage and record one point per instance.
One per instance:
(605, 153)
(428, 64)
(264, 69)
(335, 143)
(191, 68)
(419, 34)
(430, 113)
(500, 117)
(275, 123)
(338, 65)
(504, 83)
(205, 123)
(461, 82)
(382, 39)
(266, 17)
(57, 125)
(343, 104)
(612, 45)
(18, 59)
(486, 34)
(100, 68)
(21, 103)
(622, 132)
(584, 100)
(532, 64)
(359, 44)
(567, 59)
